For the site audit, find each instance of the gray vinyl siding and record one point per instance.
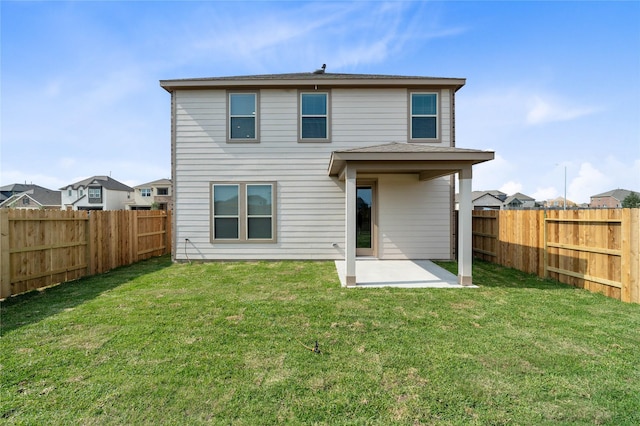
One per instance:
(413, 218)
(310, 204)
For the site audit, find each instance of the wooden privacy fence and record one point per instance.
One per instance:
(593, 249)
(39, 248)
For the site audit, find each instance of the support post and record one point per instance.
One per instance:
(350, 225)
(464, 226)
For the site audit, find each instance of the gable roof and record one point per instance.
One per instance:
(499, 195)
(155, 183)
(310, 79)
(618, 194)
(104, 181)
(39, 194)
(518, 196)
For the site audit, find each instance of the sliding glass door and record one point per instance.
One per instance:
(365, 220)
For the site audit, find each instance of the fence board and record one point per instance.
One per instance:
(593, 249)
(39, 248)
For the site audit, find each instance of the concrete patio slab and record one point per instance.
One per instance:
(372, 273)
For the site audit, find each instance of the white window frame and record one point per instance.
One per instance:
(94, 191)
(255, 116)
(243, 216)
(436, 116)
(145, 192)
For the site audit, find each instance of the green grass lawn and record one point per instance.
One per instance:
(227, 343)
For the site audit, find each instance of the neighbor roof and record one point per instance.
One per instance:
(105, 181)
(307, 79)
(618, 194)
(42, 195)
(518, 196)
(154, 183)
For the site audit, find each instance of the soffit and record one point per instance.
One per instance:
(325, 80)
(427, 161)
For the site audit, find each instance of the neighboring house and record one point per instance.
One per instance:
(23, 196)
(519, 201)
(152, 195)
(559, 203)
(488, 200)
(96, 193)
(319, 166)
(497, 200)
(609, 200)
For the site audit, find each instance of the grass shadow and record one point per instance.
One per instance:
(34, 306)
(487, 274)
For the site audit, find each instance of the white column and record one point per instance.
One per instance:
(464, 226)
(350, 225)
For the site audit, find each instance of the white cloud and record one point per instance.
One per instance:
(343, 35)
(547, 193)
(609, 173)
(511, 187)
(548, 108)
(588, 182)
(492, 174)
(506, 114)
(15, 176)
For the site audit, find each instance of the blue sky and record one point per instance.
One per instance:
(551, 86)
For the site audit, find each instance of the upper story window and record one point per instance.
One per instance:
(243, 117)
(424, 116)
(314, 117)
(145, 192)
(95, 195)
(163, 191)
(69, 193)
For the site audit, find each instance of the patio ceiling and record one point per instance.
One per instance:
(427, 161)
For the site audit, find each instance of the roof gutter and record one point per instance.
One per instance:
(195, 84)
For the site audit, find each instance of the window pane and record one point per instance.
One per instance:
(314, 104)
(226, 227)
(225, 200)
(314, 127)
(259, 200)
(422, 104)
(259, 227)
(243, 128)
(364, 197)
(242, 104)
(423, 127)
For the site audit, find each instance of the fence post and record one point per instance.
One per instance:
(545, 253)
(5, 256)
(629, 263)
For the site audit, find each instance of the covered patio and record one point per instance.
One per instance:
(427, 162)
(374, 273)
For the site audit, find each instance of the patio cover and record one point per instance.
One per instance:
(428, 162)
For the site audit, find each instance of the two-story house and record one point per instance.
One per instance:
(519, 201)
(609, 200)
(96, 193)
(157, 195)
(319, 166)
